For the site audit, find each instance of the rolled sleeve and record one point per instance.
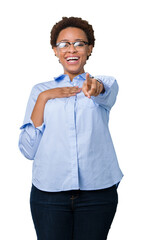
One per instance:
(40, 128)
(29, 141)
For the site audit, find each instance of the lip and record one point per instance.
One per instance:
(72, 63)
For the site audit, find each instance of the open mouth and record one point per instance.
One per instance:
(72, 59)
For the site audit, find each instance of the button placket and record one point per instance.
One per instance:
(70, 110)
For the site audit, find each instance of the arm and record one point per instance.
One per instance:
(103, 92)
(108, 98)
(33, 125)
(29, 140)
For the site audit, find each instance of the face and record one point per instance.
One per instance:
(76, 66)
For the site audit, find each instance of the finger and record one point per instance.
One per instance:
(72, 94)
(99, 87)
(85, 91)
(69, 92)
(77, 90)
(95, 88)
(70, 89)
(86, 86)
(88, 79)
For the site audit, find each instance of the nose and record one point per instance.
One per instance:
(71, 48)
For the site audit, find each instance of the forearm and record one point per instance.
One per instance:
(38, 111)
(29, 141)
(33, 125)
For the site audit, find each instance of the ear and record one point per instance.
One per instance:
(90, 48)
(55, 51)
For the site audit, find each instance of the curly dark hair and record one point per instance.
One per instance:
(72, 22)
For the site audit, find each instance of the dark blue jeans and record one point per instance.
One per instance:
(73, 214)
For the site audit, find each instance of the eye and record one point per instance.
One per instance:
(79, 44)
(63, 45)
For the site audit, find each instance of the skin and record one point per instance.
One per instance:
(91, 87)
(71, 34)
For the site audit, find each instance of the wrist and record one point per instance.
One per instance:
(100, 81)
(43, 97)
(103, 89)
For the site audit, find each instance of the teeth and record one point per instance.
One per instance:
(72, 58)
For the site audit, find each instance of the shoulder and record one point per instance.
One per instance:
(43, 86)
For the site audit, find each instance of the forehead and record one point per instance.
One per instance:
(72, 34)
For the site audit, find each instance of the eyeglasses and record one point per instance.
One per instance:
(64, 46)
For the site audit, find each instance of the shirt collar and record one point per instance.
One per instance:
(65, 76)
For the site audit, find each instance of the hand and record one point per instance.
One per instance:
(60, 92)
(91, 87)
(37, 115)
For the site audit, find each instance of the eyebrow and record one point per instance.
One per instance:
(67, 40)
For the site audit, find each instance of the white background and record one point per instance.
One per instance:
(26, 58)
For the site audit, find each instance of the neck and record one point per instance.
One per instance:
(72, 75)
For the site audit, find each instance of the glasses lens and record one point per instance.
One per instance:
(63, 45)
(79, 44)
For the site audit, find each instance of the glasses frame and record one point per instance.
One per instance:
(57, 44)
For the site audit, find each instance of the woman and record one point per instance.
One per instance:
(65, 132)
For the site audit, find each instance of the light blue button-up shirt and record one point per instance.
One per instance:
(73, 148)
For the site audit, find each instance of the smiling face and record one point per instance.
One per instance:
(73, 67)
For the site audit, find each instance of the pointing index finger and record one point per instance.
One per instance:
(89, 81)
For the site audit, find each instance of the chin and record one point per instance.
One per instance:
(74, 70)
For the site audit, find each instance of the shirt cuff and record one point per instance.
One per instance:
(40, 128)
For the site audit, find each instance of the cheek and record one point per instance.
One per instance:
(85, 54)
(59, 54)
(84, 57)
